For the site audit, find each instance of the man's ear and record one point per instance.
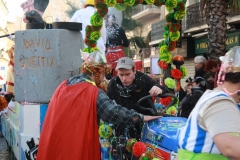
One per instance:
(135, 70)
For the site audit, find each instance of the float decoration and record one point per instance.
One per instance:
(130, 143)
(139, 148)
(105, 131)
(177, 11)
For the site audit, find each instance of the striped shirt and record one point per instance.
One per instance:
(192, 137)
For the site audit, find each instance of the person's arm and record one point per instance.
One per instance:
(154, 88)
(227, 135)
(116, 114)
(228, 144)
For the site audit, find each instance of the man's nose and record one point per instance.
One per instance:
(124, 78)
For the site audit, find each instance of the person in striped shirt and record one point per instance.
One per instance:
(212, 131)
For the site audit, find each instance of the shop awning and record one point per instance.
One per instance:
(155, 42)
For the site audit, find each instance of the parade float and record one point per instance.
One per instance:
(43, 59)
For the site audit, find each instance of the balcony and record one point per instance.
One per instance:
(195, 19)
(233, 17)
(157, 31)
(144, 13)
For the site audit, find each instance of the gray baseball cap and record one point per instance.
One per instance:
(125, 62)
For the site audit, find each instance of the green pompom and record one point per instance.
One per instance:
(96, 20)
(94, 49)
(174, 36)
(166, 57)
(121, 6)
(170, 83)
(150, 2)
(129, 2)
(166, 27)
(85, 50)
(184, 71)
(110, 3)
(105, 131)
(171, 3)
(170, 17)
(162, 43)
(166, 34)
(95, 35)
(164, 49)
(179, 15)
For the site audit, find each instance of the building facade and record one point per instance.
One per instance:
(194, 33)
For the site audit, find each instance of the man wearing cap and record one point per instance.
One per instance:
(212, 131)
(127, 88)
(70, 129)
(199, 87)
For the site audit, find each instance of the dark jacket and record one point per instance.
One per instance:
(209, 84)
(116, 37)
(199, 73)
(191, 101)
(129, 96)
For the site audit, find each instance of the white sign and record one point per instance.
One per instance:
(155, 69)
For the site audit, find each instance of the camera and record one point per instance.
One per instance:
(189, 79)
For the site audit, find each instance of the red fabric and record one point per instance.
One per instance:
(138, 65)
(11, 63)
(10, 83)
(114, 56)
(70, 129)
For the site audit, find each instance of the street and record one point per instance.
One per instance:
(4, 153)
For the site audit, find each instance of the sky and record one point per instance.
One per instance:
(14, 8)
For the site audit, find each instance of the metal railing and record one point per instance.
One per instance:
(139, 8)
(158, 30)
(195, 16)
(232, 13)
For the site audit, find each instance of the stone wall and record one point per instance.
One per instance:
(44, 59)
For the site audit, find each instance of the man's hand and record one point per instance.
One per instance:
(149, 118)
(155, 90)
